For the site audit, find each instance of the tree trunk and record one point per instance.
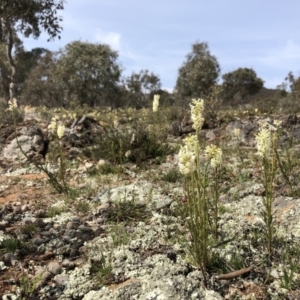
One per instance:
(9, 47)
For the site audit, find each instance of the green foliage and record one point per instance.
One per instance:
(12, 245)
(120, 235)
(28, 286)
(172, 175)
(82, 207)
(128, 211)
(89, 73)
(110, 169)
(242, 82)
(5, 118)
(54, 211)
(102, 271)
(137, 145)
(41, 87)
(290, 258)
(29, 229)
(139, 88)
(198, 74)
(28, 18)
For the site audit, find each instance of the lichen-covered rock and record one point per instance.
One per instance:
(30, 139)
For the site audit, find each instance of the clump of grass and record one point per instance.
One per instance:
(54, 211)
(119, 235)
(136, 145)
(172, 176)
(289, 260)
(10, 245)
(29, 229)
(82, 207)
(127, 211)
(102, 271)
(108, 168)
(13, 245)
(28, 286)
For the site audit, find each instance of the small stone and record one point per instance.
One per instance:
(69, 265)
(47, 255)
(38, 241)
(61, 280)
(8, 258)
(3, 225)
(54, 267)
(46, 276)
(40, 223)
(17, 210)
(40, 213)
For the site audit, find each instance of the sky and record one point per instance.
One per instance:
(158, 34)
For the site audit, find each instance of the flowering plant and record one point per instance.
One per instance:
(197, 165)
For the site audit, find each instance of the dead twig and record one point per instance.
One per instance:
(234, 274)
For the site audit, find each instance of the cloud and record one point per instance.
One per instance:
(111, 38)
(285, 57)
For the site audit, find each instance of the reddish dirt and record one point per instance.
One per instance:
(19, 191)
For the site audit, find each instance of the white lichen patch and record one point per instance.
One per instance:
(3, 237)
(79, 283)
(3, 188)
(142, 192)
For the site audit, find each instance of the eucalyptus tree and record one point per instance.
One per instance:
(242, 81)
(198, 74)
(89, 72)
(28, 18)
(141, 87)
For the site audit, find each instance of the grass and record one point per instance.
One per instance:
(54, 211)
(127, 211)
(29, 229)
(172, 176)
(120, 235)
(102, 272)
(12, 245)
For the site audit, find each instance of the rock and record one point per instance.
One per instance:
(38, 241)
(3, 225)
(69, 265)
(30, 139)
(61, 280)
(8, 258)
(54, 267)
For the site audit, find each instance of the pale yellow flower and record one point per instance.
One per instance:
(191, 142)
(156, 103)
(52, 127)
(13, 104)
(263, 141)
(60, 131)
(127, 153)
(132, 139)
(215, 155)
(186, 160)
(236, 133)
(197, 108)
(277, 123)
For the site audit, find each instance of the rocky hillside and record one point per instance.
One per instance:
(119, 229)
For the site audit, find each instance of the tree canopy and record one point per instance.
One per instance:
(140, 87)
(89, 72)
(198, 74)
(29, 18)
(242, 81)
